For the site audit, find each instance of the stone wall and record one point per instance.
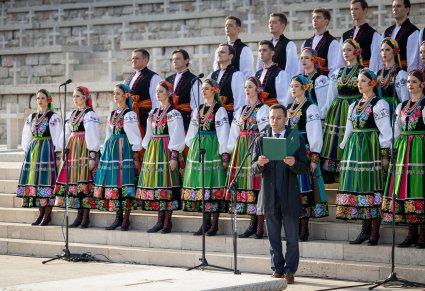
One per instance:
(44, 42)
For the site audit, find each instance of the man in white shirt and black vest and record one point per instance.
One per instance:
(327, 47)
(142, 85)
(244, 59)
(186, 88)
(367, 37)
(285, 49)
(274, 80)
(231, 81)
(406, 34)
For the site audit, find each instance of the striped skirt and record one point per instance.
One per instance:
(248, 184)
(215, 177)
(38, 174)
(80, 178)
(333, 132)
(115, 181)
(361, 178)
(158, 186)
(408, 183)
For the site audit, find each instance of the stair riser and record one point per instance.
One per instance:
(327, 269)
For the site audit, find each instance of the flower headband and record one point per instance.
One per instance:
(307, 85)
(86, 94)
(47, 93)
(257, 84)
(168, 86)
(371, 75)
(215, 89)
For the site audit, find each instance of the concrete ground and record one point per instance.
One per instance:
(28, 273)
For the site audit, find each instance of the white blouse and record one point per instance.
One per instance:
(381, 114)
(314, 129)
(221, 126)
(175, 131)
(131, 128)
(55, 127)
(262, 121)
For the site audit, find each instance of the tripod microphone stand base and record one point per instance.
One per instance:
(67, 256)
(394, 281)
(204, 263)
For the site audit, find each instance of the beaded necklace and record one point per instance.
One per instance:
(408, 109)
(385, 80)
(75, 119)
(344, 78)
(204, 116)
(293, 111)
(359, 108)
(117, 116)
(39, 119)
(157, 118)
(247, 111)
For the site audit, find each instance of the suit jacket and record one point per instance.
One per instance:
(288, 198)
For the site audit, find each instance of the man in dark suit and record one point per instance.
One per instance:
(279, 199)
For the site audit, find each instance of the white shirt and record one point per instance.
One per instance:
(282, 134)
(246, 61)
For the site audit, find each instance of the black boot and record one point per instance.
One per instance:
(252, 228)
(46, 216)
(260, 227)
(421, 241)
(126, 221)
(214, 224)
(40, 216)
(168, 225)
(207, 222)
(304, 229)
(159, 224)
(85, 221)
(411, 238)
(374, 234)
(117, 222)
(78, 219)
(364, 233)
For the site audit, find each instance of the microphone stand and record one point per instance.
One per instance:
(204, 263)
(233, 188)
(66, 254)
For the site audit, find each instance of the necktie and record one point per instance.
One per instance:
(277, 135)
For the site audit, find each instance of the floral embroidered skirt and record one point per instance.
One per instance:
(115, 181)
(408, 183)
(80, 178)
(312, 190)
(248, 184)
(333, 132)
(158, 188)
(38, 174)
(361, 178)
(215, 177)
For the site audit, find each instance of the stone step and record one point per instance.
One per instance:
(8, 186)
(330, 250)
(336, 231)
(11, 156)
(338, 269)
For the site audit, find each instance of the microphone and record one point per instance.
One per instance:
(66, 83)
(201, 75)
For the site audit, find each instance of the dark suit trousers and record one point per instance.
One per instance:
(289, 262)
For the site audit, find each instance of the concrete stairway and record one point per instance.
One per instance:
(327, 254)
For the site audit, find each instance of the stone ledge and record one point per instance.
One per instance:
(54, 88)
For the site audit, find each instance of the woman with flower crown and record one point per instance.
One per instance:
(247, 123)
(159, 181)
(115, 176)
(407, 184)
(42, 146)
(392, 78)
(366, 145)
(214, 133)
(341, 93)
(311, 70)
(305, 115)
(83, 135)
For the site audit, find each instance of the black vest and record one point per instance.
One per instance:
(322, 48)
(238, 45)
(423, 35)
(364, 37)
(407, 28)
(280, 52)
(270, 85)
(141, 86)
(183, 87)
(225, 82)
